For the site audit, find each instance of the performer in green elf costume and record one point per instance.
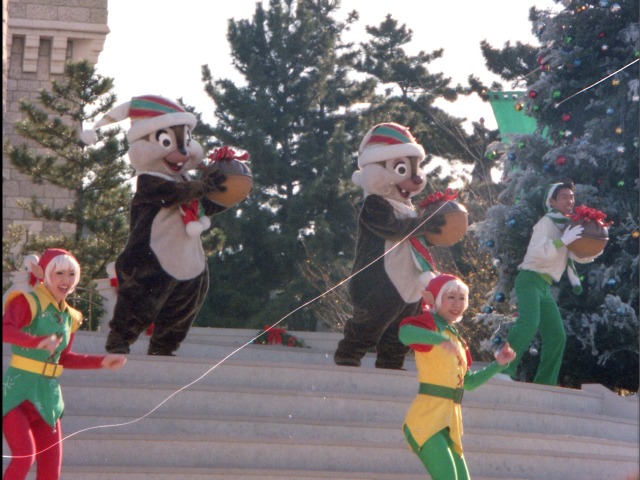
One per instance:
(547, 257)
(40, 326)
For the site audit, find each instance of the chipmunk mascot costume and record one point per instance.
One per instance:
(389, 289)
(162, 271)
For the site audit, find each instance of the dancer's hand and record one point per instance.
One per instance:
(113, 361)
(505, 354)
(450, 346)
(50, 343)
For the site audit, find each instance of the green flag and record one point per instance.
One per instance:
(510, 119)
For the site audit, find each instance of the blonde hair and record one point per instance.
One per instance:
(63, 262)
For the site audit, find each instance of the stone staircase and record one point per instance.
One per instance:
(227, 409)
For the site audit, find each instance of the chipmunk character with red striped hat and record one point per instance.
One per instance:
(162, 271)
(391, 270)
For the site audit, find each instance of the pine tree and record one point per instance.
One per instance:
(583, 92)
(98, 176)
(408, 94)
(294, 117)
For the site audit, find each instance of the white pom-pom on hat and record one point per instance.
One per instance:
(205, 222)
(194, 229)
(116, 114)
(89, 137)
(111, 269)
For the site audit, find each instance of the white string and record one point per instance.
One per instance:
(410, 234)
(594, 84)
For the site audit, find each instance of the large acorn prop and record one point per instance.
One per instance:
(595, 234)
(239, 180)
(455, 214)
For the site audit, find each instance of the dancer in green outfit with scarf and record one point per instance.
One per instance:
(546, 259)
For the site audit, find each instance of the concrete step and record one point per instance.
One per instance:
(224, 408)
(331, 407)
(92, 343)
(178, 371)
(325, 342)
(147, 473)
(193, 451)
(265, 427)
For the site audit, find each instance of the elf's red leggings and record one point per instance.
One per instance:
(27, 433)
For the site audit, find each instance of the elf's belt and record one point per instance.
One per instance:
(454, 394)
(46, 369)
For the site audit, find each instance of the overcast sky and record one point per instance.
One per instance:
(158, 47)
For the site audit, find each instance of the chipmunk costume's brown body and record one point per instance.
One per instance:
(389, 289)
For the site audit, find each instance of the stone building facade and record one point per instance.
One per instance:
(38, 37)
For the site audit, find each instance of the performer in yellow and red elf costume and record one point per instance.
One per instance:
(433, 425)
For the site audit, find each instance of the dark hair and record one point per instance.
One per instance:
(566, 184)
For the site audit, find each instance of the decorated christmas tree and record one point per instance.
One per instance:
(583, 94)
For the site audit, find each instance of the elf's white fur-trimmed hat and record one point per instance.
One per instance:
(386, 141)
(549, 193)
(148, 113)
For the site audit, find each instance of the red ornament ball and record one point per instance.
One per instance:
(566, 117)
(561, 160)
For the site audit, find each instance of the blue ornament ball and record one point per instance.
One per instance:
(610, 111)
(500, 297)
(511, 156)
(512, 222)
(490, 243)
(612, 282)
(487, 309)
(621, 311)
